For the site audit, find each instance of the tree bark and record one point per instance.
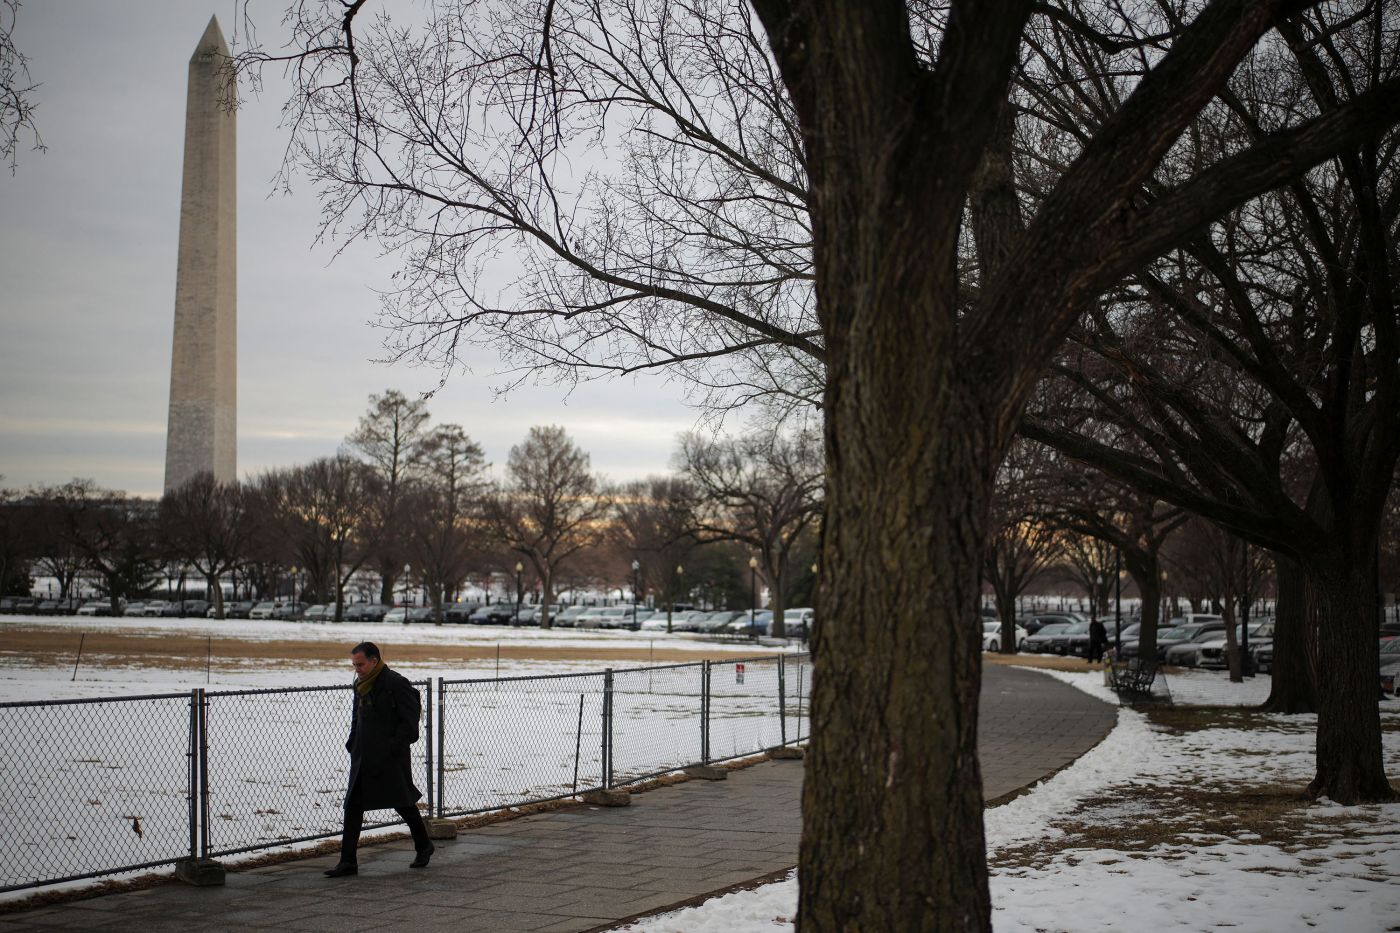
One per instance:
(1293, 687)
(1350, 763)
(894, 788)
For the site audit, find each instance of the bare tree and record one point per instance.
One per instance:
(1021, 542)
(656, 521)
(208, 524)
(763, 491)
(550, 507)
(16, 91)
(387, 437)
(16, 541)
(323, 508)
(1258, 368)
(449, 499)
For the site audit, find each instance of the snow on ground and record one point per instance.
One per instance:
(1169, 867)
(91, 773)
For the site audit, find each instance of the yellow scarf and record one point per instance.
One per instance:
(363, 685)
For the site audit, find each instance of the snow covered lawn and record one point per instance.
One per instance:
(1184, 819)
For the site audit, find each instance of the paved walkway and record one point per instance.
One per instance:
(583, 868)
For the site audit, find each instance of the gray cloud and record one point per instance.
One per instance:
(87, 257)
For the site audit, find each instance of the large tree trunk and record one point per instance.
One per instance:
(1292, 682)
(547, 596)
(892, 804)
(1144, 574)
(1350, 763)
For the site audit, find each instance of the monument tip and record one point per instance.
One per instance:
(212, 42)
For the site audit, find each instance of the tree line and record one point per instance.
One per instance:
(404, 496)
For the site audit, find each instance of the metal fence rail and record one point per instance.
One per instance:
(91, 787)
(94, 787)
(275, 766)
(518, 740)
(656, 723)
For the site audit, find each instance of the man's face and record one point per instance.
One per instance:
(363, 665)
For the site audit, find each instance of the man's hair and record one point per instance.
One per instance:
(367, 648)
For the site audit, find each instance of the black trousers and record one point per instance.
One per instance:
(355, 821)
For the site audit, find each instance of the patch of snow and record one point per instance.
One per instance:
(1342, 879)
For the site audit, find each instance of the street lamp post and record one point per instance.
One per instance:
(1094, 598)
(671, 609)
(406, 570)
(753, 591)
(1163, 617)
(519, 590)
(636, 568)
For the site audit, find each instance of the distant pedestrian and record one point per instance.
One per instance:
(383, 726)
(1098, 640)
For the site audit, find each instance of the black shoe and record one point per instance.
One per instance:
(342, 869)
(423, 856)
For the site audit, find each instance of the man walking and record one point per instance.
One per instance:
(383, 726)
(1098, 640)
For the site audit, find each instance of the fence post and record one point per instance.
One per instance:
(782, 699)
(428, 743)
(607, 728)
(193, 772)
(705, 713)
(203, 705)
(441, 746)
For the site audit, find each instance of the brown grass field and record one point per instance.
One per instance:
(25, 645)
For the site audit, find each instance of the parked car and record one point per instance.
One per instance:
(1041, 641)
(263, 611)
(1072, 641)
(752, 627)
(421, 614)
(991, 636)
(134, 609)
(1390, 665)
(152, 609)
(1035, 623)
(681, 621)
(1263, 658)
(1184, 639)
(494, 614)
(797, 623)
(459, 612)
(718, 621)
(57, 607)
(319, 613)
(364, 612)
(606, 617)
(1212, 653)
(569, 616)
(238, 609)
(96, 607)
(398, 614)
(189, 608)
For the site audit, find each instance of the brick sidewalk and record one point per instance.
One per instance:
(582, 868)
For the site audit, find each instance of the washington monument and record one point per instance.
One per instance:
(201, 435)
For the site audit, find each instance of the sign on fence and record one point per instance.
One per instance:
(739, 673)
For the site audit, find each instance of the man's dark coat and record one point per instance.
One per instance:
(383, 727)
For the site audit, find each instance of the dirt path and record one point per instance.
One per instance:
(160, 648)
(40, 646)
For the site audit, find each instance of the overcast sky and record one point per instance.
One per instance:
(88, 234)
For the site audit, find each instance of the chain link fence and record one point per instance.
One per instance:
(90, 787)
(275, 766)
(112, 785)
(514, 740)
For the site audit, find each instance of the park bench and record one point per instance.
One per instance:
(1133, 677)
